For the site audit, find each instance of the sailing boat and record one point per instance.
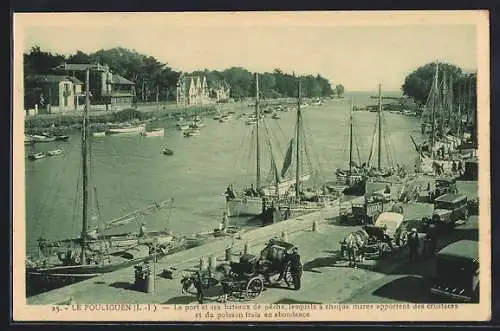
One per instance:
(348, 176)
(390, 182)
(68, 261)
(250, 202)
(431, 156)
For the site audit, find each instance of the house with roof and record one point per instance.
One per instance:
(107, 88)
(220, 91)
(54, 93)
(192, 90)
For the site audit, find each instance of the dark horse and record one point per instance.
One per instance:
(206, 279)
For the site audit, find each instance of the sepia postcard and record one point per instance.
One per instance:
(251, 166)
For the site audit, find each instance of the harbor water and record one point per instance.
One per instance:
(131, 172)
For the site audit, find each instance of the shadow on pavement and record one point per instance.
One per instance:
(126, 286)
(408, 288)
(320, 262)
(180, 300)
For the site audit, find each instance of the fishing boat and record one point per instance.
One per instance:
(62, 137)
(224, 119)
(54, 152)
(276, 116)
(99, 134)
(37, 156)
(63, 262)
(192, 132)
(203, 238)
(167, 151)
(197, 123)
(282, 185)
(352, 175)
(128, 129)
(41, 138)
(159, 132)
(440, 149)
(183, 127)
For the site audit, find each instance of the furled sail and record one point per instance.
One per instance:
(288, 159)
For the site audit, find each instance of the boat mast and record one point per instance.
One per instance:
(297, 169)
(433, 114)
(379, 126)
(84, 167)
(350, 141)
(257, 115)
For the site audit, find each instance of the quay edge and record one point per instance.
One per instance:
(184, 260)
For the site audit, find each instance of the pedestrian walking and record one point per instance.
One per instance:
(431, 238)
(413, 244)
(198, 284)
(295, 268)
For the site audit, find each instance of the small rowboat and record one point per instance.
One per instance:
(191, 133)
(36, 156)
(167, 151)
(159, 132)
(54, 152)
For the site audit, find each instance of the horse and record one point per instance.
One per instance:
(206, 279)
(353, 244)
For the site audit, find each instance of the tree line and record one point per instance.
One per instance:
(418, 84)
(157, 81)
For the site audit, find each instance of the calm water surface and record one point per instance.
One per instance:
(129, 173)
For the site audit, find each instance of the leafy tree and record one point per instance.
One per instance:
(418, 84)
(339, 89)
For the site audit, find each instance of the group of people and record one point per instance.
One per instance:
(430, 241)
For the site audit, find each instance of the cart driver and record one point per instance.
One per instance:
(295, 267)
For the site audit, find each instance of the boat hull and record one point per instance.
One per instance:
(39, 280)
(130, 130)
(154, 133)
(244, 206)
(284, 186)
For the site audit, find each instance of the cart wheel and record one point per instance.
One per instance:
(383, 248)
(403, 238)
(255, 286)
(288, 277)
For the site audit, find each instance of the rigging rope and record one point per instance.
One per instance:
(373, 141)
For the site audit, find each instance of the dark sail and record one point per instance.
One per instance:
(288, 159)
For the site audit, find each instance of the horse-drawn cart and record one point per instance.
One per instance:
(246, 278)
(387, 233)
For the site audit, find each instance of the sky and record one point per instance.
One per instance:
(357, 56)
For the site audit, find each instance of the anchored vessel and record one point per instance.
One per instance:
(67, 261)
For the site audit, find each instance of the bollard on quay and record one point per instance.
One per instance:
(212, 263)
(202, 264)
(315, 226)
(229, 253)
(284, 236)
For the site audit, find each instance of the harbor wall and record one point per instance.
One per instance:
(73, 121)
(183, 261)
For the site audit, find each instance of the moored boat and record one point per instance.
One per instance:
(94, 252)
(159, 132)
(54, 152)
(191, 133)
(99, 134)
(37, 156)
(128, 129)
(167, 151)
